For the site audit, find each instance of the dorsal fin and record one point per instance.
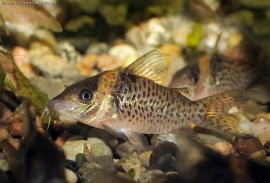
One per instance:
(152, 66)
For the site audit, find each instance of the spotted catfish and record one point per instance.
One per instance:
(129, 103)
(237, 68)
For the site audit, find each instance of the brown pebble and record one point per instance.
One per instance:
(15, 128)
(108, 62)
(20, 55)
(87, 64)
(61, 140)
(58, 126)
(224, 148)
(246, 147)
(3, 134)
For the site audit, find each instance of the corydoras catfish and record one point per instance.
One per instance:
(239, 67)
(38, 160)
(129, 103)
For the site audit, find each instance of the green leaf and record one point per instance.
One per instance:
(195, 37)
(27, 89)
(131, 173)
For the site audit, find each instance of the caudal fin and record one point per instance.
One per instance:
(217, 116)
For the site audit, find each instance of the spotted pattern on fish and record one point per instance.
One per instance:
(232, 74)
(151, 108)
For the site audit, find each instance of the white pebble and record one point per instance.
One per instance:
(71, 176)
(71, 149)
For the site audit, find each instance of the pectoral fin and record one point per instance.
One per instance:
(137, 140)
(186, 91)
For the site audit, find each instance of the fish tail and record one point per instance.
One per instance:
(217, 116)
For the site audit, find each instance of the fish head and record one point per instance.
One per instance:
(84, 100)
(197, 77)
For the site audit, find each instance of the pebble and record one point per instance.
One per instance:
(224, 148)
(71, 149)
(131, 161)
(86, 65)
(163, 149)
(260, 125)
(46, 37)
(207, 136)
(93, 140)
(3, 134)
(92, 172)
(241, 17)
(4, 165)
(133, 37)
(108, 62)
(258, 156)
(172, 49)
(89, 6)
(154, 33)
(58, 127)
(71, 177)
(152, 176)
(15, 128)
(38, 49)
(105, 136)
(246, 147)
(62, 138)
(72, 165)
(181, 29)
(53, 65)
(67, 52)
(145, 158)
(125, 53)
(75, 24)
(80, 159)
(264, 137)
(20, 55)
(106, 162)
(266, 147)
(97, 48)
(114, 14)
(100, 149)
(124, 149)
(166, 163)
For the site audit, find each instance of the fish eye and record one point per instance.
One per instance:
(85, 95)
(194, 79)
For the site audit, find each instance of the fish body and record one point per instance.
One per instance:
(129, 102)
(237, 68)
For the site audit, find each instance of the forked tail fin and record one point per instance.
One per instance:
(217, 116)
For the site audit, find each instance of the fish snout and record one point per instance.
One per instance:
(49, 108)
